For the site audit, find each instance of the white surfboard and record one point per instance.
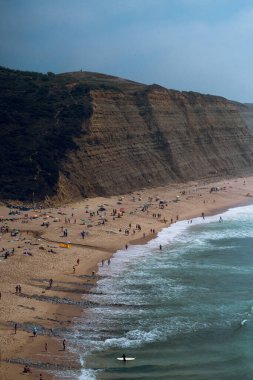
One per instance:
(127, 359)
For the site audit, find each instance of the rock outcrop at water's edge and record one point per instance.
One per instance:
(82, 134)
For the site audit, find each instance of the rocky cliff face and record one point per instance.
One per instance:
(125, 136)
(246, 112)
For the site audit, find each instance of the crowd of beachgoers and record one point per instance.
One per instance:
(49, 258)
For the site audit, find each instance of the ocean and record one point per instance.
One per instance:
(184, 312)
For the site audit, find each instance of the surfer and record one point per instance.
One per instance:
(124, 358)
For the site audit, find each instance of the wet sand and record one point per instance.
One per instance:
(38, 257)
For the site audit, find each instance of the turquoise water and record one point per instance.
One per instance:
(179, 310)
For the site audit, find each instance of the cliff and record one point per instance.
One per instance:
(246, 111)
(82, 134)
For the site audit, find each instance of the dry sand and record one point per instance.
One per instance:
(38, 257)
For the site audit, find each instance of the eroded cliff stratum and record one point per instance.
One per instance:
(83, 134)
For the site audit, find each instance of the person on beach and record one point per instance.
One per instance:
(46, 347)
(41, 376)
(64, 344)
(34, 331)
(74, 268)
(26, 369)
(50, 283)
(77, 261)
(15, 328)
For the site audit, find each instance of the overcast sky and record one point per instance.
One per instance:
(191, 45)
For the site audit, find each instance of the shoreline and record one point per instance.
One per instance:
(52, 310)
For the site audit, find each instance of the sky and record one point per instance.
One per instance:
(186, 45)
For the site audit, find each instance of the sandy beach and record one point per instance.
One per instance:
(66, 245)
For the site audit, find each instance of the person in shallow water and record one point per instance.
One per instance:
(124, 357)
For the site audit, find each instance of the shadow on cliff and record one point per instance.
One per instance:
(40, 117)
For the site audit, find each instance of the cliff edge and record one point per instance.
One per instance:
(81, 134)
